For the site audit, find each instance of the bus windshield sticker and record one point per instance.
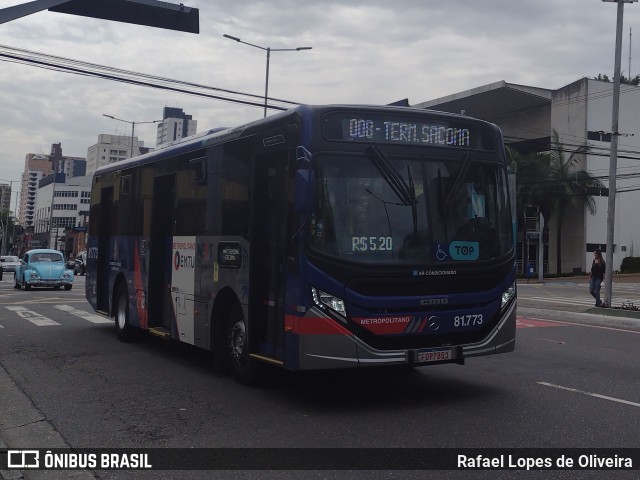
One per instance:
(464, 250)
(372, 244)
(230, 254)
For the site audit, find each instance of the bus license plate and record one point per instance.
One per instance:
(426, 356)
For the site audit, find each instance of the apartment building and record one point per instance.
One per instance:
(38, 166)
(175, 126)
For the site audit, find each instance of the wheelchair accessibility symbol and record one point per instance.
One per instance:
(458, 251)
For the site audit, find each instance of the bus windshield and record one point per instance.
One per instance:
(379, 208)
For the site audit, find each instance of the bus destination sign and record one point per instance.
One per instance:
(360, 127)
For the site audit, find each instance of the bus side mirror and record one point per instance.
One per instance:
(304, 188)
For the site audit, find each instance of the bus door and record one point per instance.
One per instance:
(268, 251)
(104, 243)
(160, 251)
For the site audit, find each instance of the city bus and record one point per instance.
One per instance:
(322, 237)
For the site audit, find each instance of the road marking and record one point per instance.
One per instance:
(33, 317)
(559, 342)
(90, 317)
(525, 322)
(597, 395)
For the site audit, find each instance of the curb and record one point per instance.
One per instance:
(597, 317)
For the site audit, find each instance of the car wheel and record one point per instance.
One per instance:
(27, 287)
(15, 279)
(68, 287)
(124, 330)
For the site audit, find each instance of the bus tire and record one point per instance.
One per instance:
(124, 330)
(243, 367)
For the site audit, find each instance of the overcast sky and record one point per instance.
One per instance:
(373, 52)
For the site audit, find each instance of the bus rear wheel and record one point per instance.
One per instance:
(243, 367)
(124, 330)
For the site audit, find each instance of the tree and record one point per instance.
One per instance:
(552, 182)
(531, 172)
(7, 228)
(628, 81)
(564, 185)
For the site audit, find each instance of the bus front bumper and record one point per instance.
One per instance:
(323, 343)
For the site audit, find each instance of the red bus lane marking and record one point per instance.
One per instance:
(522, 322)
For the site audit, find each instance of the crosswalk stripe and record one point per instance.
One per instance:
(33, 317)
(84, 315)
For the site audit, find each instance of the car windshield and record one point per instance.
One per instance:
(10, 259)
(46, 257)
(410, 210)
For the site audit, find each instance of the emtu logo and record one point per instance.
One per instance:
(183, 261)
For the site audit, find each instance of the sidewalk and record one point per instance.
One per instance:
(604, 317)
(579, 279)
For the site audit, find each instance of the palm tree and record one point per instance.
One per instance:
(531, 172)
(564, 185)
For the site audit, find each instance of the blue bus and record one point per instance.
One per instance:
(323, 237)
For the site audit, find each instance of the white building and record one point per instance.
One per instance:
(39, 166)
(111, 149)
(175, 126)
(69, 198)
(581, 113)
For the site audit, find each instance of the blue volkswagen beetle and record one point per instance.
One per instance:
(43, 268)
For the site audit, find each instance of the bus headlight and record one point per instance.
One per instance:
(328, 302)
(508, 295)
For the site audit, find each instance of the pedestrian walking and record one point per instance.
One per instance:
(596, 276)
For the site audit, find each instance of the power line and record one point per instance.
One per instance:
(61, 64)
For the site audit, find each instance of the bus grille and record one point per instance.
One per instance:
(420, 287)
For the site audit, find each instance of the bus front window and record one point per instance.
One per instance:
(382, 209)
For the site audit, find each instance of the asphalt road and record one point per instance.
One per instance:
(66, 381)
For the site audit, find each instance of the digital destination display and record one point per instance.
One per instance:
(394, 129)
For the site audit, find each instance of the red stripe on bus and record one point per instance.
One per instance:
(314, 326)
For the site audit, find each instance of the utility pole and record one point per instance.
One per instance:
(613, 164)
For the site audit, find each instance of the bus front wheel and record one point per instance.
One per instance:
(124, 330)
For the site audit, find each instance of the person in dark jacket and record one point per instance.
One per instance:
(596, 276)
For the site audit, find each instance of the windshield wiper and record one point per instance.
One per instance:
(405, 192)
(459, 178)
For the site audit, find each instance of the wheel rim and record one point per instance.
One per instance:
(121, 314)
(237, 341)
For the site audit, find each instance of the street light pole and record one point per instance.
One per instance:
(268, 50)
(133, 128)
(613, 164)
